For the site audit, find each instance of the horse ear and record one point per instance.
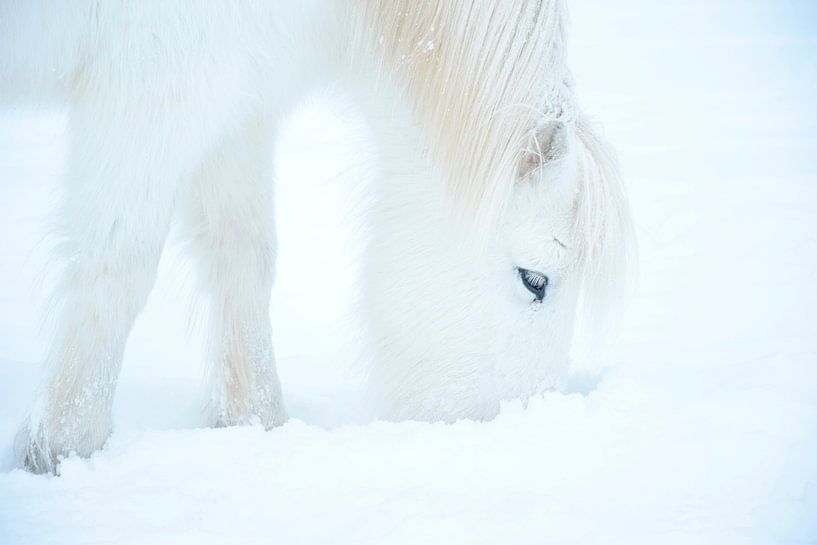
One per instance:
(549, 144)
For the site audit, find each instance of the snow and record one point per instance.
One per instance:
(697, 425)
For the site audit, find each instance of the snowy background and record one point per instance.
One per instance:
(701, 426)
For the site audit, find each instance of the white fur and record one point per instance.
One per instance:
(484, 165)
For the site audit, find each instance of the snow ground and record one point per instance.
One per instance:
(702, 429)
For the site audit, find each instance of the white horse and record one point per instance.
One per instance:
(497, 208)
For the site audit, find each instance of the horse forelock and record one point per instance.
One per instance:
(603, 229)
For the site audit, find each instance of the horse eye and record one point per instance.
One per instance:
(534, 282)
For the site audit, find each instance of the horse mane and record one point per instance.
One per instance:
(477, 77)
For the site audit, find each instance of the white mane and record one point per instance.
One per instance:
(477, 76)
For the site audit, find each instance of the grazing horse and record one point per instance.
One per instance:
(497, 210)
